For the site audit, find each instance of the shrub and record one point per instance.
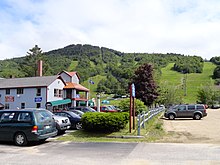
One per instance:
(104, 122)
(139, 105)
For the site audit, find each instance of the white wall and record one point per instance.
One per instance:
(57, 84)
(75, 79)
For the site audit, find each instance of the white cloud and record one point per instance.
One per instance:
(162, 26)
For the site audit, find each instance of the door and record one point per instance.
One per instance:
(6, 125)
(181, 111)
(191, 110)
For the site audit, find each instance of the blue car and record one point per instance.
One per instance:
(75, 119)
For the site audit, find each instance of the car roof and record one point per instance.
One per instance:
(23, 110)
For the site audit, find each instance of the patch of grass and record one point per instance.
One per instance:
(152, 132)
(93, 87)
(72, 66)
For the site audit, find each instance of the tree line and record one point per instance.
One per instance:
(118, 67)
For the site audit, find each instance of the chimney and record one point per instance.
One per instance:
(40, 68)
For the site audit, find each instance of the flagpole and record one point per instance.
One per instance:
(89, 88)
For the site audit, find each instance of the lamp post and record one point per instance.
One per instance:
(98, 102)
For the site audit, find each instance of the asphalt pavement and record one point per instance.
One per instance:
(57, 152)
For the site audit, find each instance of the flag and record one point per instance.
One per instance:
(91, 82)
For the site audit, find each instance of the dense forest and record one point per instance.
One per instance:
(118, 67)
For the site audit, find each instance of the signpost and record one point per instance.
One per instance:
(132, 107)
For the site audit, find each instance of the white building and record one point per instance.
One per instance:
(42, 92)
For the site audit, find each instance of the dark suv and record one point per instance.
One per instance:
(195, 111)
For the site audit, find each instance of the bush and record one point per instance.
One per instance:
(124, 105)
(104, 122)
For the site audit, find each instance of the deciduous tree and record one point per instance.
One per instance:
(146, 88)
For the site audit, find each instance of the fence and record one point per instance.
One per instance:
(145, 116)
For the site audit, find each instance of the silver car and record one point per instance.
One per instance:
(62, 123)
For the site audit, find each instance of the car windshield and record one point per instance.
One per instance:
(73, 114)
(78, 112)
(91, 109)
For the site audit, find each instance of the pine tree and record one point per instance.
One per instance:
(29, 65)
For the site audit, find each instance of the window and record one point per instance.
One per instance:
(199, 107)
(38, 92)
(58, 93)
(6, 106)
(43, 116)
(22, 105)
(24, 117)
(7, 117)
(191, 107)
(20, 90)
(38, 105)
(182, 108)
(7, 92)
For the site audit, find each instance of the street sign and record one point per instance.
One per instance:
(38, 99)
(132, 90)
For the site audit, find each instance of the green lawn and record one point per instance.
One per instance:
(151, 133)
(193, 80)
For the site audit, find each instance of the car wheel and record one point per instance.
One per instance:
(171, 116)
(20, 139)
(197, 116)
(79, 125)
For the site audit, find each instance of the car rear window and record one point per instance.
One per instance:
(199, 107)
(43, 116)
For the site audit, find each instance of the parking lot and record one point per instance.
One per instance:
(205, 130)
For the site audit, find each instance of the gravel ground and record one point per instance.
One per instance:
(206, 130)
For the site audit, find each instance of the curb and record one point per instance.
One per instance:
(126, 137)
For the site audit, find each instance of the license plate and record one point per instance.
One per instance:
(47, 127)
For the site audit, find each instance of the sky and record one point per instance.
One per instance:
(189, 27)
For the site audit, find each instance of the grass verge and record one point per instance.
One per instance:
(153, 131)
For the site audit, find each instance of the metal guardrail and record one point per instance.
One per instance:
(145, 116)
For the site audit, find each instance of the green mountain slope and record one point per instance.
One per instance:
(193, 80)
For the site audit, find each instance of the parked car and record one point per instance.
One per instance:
(195, 111)
(26, 125)
(105, 109)
(115, 108)
(83, 109)
(75, 119)
(62, 123)
(78, 112)
(105, 101)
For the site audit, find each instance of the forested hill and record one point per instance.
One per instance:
(89, 61)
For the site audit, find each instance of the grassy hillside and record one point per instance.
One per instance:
(72, 66)
(93, 87)
(193, 80)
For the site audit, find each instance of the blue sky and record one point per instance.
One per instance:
(190, 27)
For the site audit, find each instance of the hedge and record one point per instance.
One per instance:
(104, 122)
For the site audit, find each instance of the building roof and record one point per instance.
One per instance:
(27, 82)
(71, 74)
(70, 85)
